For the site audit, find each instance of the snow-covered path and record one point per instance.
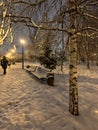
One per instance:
(26, 104)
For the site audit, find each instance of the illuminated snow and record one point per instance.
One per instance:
(26, 104)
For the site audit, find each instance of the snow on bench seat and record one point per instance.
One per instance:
(41, 73)
(38, 71)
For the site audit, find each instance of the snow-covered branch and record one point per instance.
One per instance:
(29, 3)
(87, 28)
(90, 16)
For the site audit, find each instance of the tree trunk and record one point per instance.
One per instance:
(73, 87)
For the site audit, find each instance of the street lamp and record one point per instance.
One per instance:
(22, 41)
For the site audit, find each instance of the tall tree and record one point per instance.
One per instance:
(72, 15)
(73, 87)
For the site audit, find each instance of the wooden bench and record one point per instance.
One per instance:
(42, 74)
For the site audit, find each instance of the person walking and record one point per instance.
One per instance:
(4, 64)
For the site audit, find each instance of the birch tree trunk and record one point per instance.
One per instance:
(73, 86)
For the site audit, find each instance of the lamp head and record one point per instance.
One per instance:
(22, 41)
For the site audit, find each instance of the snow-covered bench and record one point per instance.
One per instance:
(30, 68)
(41, 73)
(44, 75)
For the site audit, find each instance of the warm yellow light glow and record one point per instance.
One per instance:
(96, 111)
(14, 47)
(13, 50)
(94, 54)
(8, 55)
(22, 41)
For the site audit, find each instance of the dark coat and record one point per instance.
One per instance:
(4, 62)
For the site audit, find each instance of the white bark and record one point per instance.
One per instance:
(73, 86)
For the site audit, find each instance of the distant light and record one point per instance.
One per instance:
(94, 54)
(22, 41)
(13, 50)
(96, 111)
(8, 55)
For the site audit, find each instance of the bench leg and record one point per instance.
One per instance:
(50, 81)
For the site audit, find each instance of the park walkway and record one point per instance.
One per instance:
(26, 104)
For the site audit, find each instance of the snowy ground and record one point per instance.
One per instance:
(26, 104)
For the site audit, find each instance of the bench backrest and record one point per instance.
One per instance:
(42, 70)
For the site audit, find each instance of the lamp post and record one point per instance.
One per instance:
(22, 43)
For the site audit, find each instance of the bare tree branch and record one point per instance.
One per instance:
(29, 3)
(87, 28)
(91, 16)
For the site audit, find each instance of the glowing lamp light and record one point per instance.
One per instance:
(22, 41)
(96, 111)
